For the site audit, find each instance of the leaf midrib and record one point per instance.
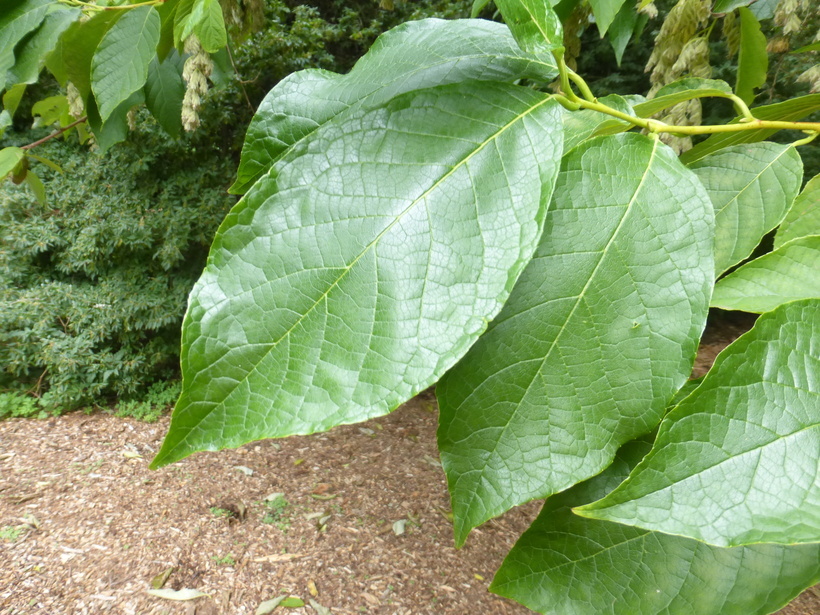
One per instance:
(492, 138)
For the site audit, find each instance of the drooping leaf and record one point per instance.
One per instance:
(803, 218)
(568, 565)
(9, 158)
(626, 24)
(71, 58)
(727, 6)
(597, 336)
(680, 91)
(789, 111)
(364, 264)
(182, 25)
(735, 462)
(412, 56)
(164, 91)
(12, 98)
(167, 12)
(16, 20)
(209, 27)
(789, 273)
(115, 128)
(31, 55)
(120, 63)
(752, 59)
(605, 12)
(51, 110)
(751, 187)
(534, 25)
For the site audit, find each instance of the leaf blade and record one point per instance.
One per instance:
(803, 217)
(752, 60)
(341, 335)
(750, 443)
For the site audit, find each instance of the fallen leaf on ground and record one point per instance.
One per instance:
(398, 527)
(159, 581)
(320, 610)
(279, 557)
(268, 606)
(176, 594)
(244, 469)
(312, 589)
(292, 602)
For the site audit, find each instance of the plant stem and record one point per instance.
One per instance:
(120, 7)
(56, 133)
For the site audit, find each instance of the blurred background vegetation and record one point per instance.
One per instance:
(93, 283)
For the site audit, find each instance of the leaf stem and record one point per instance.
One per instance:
(119, 7)
(56, 133)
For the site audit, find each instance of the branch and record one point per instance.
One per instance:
(56, 133)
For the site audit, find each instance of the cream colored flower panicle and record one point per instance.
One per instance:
(195, 72)
(76, 109)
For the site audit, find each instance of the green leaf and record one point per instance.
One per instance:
(605, 12)
(12, 98)
(49, 163)
(534, 25)
(625, 24)
(812, 47)
(9, 158)
(37, 187)
(568, 565)
(789, 111)
(120, 64)
(752, 59)
(803, 217)
(17, 20)
(51, 110)
(763, 9)
(478, 6)
(164, 91)
(588, 349)
(727, 6)
(751, 187)
(412, 56)
(209, 25)
(115, 128)
(31, 55)
(680, 91)
(789, 273)
(579, 126)
(71, 58)
(364, 264)
(735, 462)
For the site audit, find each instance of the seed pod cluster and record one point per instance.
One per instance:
(76, 108)
(731, 33)
(195, 72)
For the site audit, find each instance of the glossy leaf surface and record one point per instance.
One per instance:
(736, 462)
(599, 333)
(16, 21)
(31, 54)
(364, 264)
(120, 63)
(789, 273)
(803, 218)
(752, 187)
(534, 25)
(410, 57)
(568, 565)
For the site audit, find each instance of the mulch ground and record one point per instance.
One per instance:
(354, 520)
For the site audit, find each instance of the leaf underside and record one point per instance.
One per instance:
(597, 336)
(364, 264)
(736, 462)
(803, 217)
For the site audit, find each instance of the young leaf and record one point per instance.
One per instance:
(605, 12)
(410, 57)
(597, 336)
(120, 63)
(803, 217)
(31, 55)
(9, 158)
(680, 91)
(364, 264)
(735, 462)
(568, 565)
(788, 111)
(209, 26)
(164, 91)
(751, 187)
(15, 22)
(534, 25)
(789, 273)
(752, 59)
(12, 98)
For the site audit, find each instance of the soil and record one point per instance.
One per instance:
(96, 526)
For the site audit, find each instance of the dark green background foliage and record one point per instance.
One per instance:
(93, 285)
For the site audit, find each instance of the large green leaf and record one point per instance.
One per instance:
(789, 273)
(599, 333)
(17, 19)
(412, 56)
(534, 25)
(752, 59)
(736, 462)
(120, 63)
(364, 264)
(605, 12)
(680, 91)
(789, 111)
(751, 187)
(803, 217)
(71, 58)
(209, 25)
(567, 565)
(31, 54)
(164, 91)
